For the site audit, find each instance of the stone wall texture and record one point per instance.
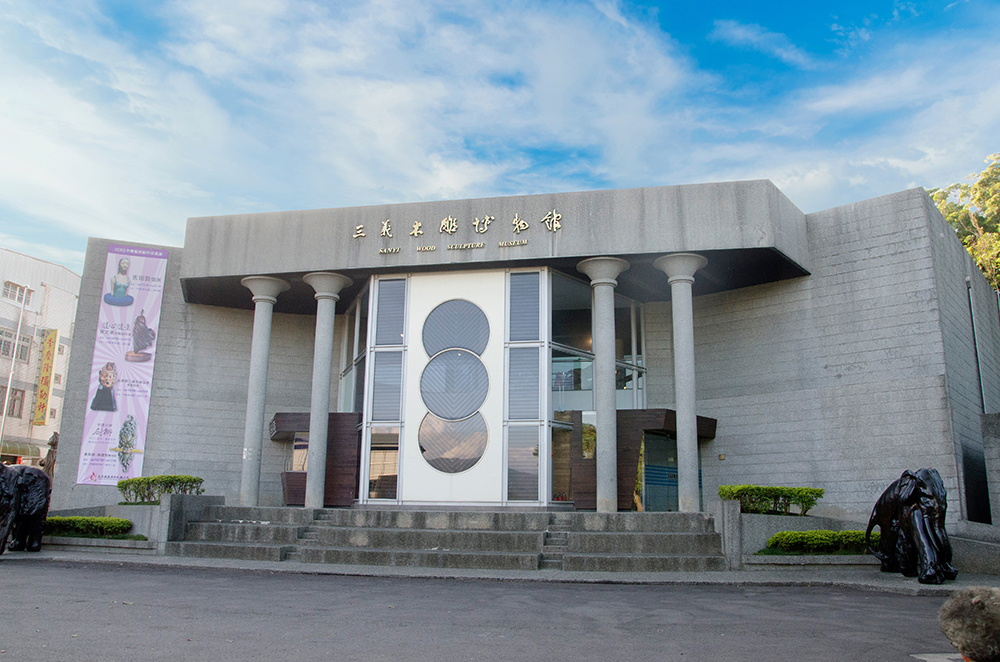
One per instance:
(845, 378)
(198, 405)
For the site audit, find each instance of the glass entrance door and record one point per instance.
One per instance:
(659, 472)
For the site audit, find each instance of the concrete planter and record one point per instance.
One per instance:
(811, 562)
(160, 524)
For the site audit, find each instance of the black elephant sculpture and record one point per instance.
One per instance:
(24, 503)
(910, 514)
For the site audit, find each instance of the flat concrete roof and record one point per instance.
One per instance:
(749, 231)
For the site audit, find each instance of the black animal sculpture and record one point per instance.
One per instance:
(24, 502)
(910, 514)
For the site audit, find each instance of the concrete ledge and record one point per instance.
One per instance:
(102, 545)
(975, 556)
(642, 563)
(811, 562)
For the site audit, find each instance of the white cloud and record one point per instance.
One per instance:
(254, 106)
(751, 35)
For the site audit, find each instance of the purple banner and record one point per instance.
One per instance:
(121, 375)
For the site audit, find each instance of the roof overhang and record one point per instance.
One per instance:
(749, 231)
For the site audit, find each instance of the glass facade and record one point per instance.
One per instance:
(438, 402)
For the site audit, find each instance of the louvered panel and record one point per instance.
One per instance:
(523, 383)
(524, 306)
(386, 386)
(391, 312)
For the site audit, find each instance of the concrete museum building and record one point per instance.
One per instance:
(474, 353)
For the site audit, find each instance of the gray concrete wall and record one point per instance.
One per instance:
(198, 405)
(991, 451)
(724, 215)
(835, 380)
(956, 272)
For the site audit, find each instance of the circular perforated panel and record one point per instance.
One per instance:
(454, 384)
(453, 446)
(456, 324)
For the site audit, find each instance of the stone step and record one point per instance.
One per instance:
(434, 520)
(424, 539)
(642, 563)
(637, 542)
(219, 550)
(259, 515)
(643, 522)
(428, 558)
(551, 564)
(232, 532)
(645, 543)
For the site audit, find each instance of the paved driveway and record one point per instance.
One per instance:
(69, 612)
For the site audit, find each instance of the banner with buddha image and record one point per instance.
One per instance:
(121, 375)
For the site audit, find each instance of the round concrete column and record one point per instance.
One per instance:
(265, 292)
(602, 272)
(328, 287)
(680, 269)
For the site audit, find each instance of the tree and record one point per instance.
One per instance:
(973, 209)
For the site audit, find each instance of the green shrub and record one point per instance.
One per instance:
(149, 488)
(768, 500)
(95, 527)
(821, 541)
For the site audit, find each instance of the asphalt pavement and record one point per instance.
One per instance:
(66, 606)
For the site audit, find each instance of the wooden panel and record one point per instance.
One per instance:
(293, 488)
(584, 471)
(284, 425)
(343, 459)
(631, 425)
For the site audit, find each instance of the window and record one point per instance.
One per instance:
(62, 349)
(52, 414)
(16, 292)
(7, 343)
(57, 379)
(16, 402)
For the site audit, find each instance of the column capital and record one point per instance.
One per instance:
(680, 267)
(327, 284)
(602, 270)
(265, 288)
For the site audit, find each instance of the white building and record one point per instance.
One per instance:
(49, 294)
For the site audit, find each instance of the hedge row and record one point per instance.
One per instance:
(821, 541)
(768, 500)
(87, 526)
(149, 488)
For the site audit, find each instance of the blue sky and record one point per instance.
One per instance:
(121, 119)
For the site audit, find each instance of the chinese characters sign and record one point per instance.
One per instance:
(551, 222)
(121, 375)
(49, 340)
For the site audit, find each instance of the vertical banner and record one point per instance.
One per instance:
(121, 375)
(49, 340)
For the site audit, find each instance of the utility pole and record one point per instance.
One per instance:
(22, 291)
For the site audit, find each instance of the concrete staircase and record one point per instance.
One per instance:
(494, 540)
